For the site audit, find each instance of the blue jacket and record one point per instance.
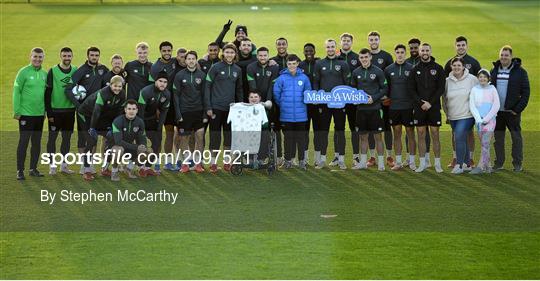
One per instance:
(289, 95)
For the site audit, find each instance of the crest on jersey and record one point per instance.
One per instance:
(354, 62)
(468, 66)
(108, 102)
(433, 72)
(198, 80)
(184, 81)
(407, 72)
(300, 83)
(338, 67)
(380, 60)
(372, 76)
(324, 68)
(258, 74)
(162, 99)
(392, 74)
(100, 72)
(23, 122)
(418, 72)
(255, 111)
(136, 70)
(223, 72)
(135, 129)
(125, 129)
(153, 99)
(268, 73)
(87, 75)
(234, 74)
(174, 66)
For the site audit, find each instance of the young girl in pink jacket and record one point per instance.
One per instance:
(484, 105)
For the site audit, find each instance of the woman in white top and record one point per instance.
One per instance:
(456, 106)
(484, 105)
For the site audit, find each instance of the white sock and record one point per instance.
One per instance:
(372, 152)
(389, 153)
(212, 160)
(363, 158)
(354, 156)
(115, 169)
(130, 165)
(422, 161)
(64, 165)
(341, 158)
(398, 159)
(381, 160)
(437, 161)
(168, 159)
(306, 155)
(336, 155)
(317, 156)
(428, 156)
(412, 159)
(323, 158)
(454, 154)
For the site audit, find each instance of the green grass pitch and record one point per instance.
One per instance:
(388, 225)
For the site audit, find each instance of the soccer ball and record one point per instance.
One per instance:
(79, 92)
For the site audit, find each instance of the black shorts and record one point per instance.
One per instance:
(171, 118)
(432, 117)
(369, 121)
(191, 121)
(63, 121)
(403, 117)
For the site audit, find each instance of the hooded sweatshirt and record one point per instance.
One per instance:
(456, 95)
(484, 103)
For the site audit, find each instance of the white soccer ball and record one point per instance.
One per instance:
(79, 92)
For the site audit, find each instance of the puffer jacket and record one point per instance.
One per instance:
(289, 95)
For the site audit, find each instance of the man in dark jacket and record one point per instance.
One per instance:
(240, 32)
(512, 83)
(245, 58)
(308, 66)
(426, 85)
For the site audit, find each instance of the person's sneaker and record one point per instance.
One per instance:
(380, 168)
(81, 170)
(342, 165)
(334, 162)
(471, 163)
(131, 174)
(142, 173)
(157, 168)
(371, 162)
(199, 169)
(390, 161)
(302, 165)
(115, 176)
(213, 168)
(518, 168)
(457, 170)
(355, 161)
(279, 161)
(397, 167)
(452, 163)
(66, 170)
(169, 167)
(320, 165)
(106, 172)
(151, 173)
(191, 165)
(428, 162)
(488, 170)
(412, 166)
(121, 168)
(438, 168)
(184, 169)
(406, 162)
(20, 175)
(420, 169)
(227, 167)
(360, 166)
(52, 171)
(467, 168)
(93, 170)
(35, 173)
(88, 176)
(287, 164)
(476, 171)
(498, 167)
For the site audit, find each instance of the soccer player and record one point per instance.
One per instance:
(240, 32)
(117, 68)
(371, 79)
(512, 83)
(289, 93)
(473, 66)
(164, 63)
(414, 47)
(223, 86)
(29, 110)
(244, 59)
(154, 102)
(188, 91)
(281, 57)
(60, 110)
(90, 75)
(381, 59)
(401, 108)
(138, 71)
(308, 66)
(426, 86)
(212, 57)
(96, 114)
(330, 72)
(347, 54)
(129, 138)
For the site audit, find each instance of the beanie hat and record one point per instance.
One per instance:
(241, 28)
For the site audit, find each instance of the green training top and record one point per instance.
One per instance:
(29, 91)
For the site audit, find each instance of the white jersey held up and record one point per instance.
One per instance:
(246, 123)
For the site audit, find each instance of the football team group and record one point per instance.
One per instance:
(189, 95)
